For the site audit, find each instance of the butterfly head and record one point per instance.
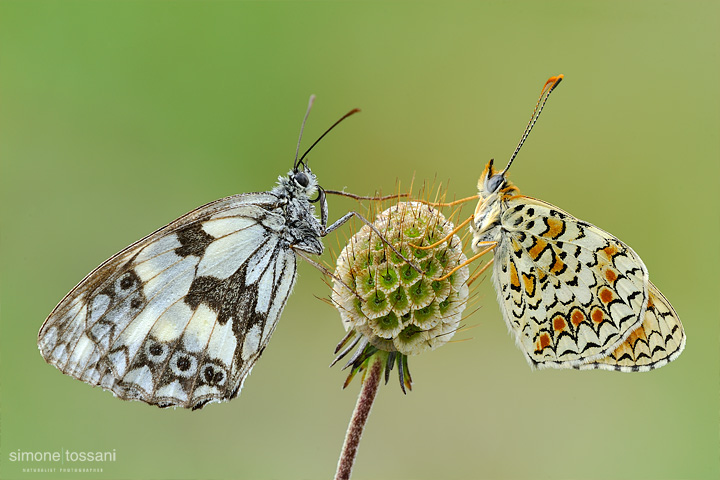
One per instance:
(493, 182)
(493, 186)
(301, 181)
(301, 185)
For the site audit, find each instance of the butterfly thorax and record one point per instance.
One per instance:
(303, 229)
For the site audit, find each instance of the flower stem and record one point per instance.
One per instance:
(359, 419)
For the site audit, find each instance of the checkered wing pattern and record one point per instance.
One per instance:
(659, 340)
(569, 291)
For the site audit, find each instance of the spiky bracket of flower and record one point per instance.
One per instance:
(395, 311)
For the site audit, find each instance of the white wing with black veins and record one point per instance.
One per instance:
(180, 317)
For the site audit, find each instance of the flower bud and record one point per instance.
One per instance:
(395, 307)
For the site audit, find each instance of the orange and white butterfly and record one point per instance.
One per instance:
(572, 294)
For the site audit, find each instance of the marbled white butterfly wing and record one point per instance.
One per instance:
(570, 291)
(659, 340)
(180, 317)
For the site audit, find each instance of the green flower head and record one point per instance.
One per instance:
(395, 308)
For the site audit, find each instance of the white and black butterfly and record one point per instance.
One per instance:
(180, 317)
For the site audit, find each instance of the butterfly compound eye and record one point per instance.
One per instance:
(494, 182)
(302, 179)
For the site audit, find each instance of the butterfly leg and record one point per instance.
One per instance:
(445, 238)
(362, 197)
(480, 272)
(448, 204)
(301, 253)
(349, 215)
(467, 262)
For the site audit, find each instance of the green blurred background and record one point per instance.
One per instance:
(117, 117)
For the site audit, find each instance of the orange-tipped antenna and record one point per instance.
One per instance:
(302, 128)
(351, 112)
(547, 89)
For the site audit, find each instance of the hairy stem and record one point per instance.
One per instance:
(359, 419)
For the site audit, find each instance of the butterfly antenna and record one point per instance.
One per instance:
(351, 112)
(302, 129)
(547, 89)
